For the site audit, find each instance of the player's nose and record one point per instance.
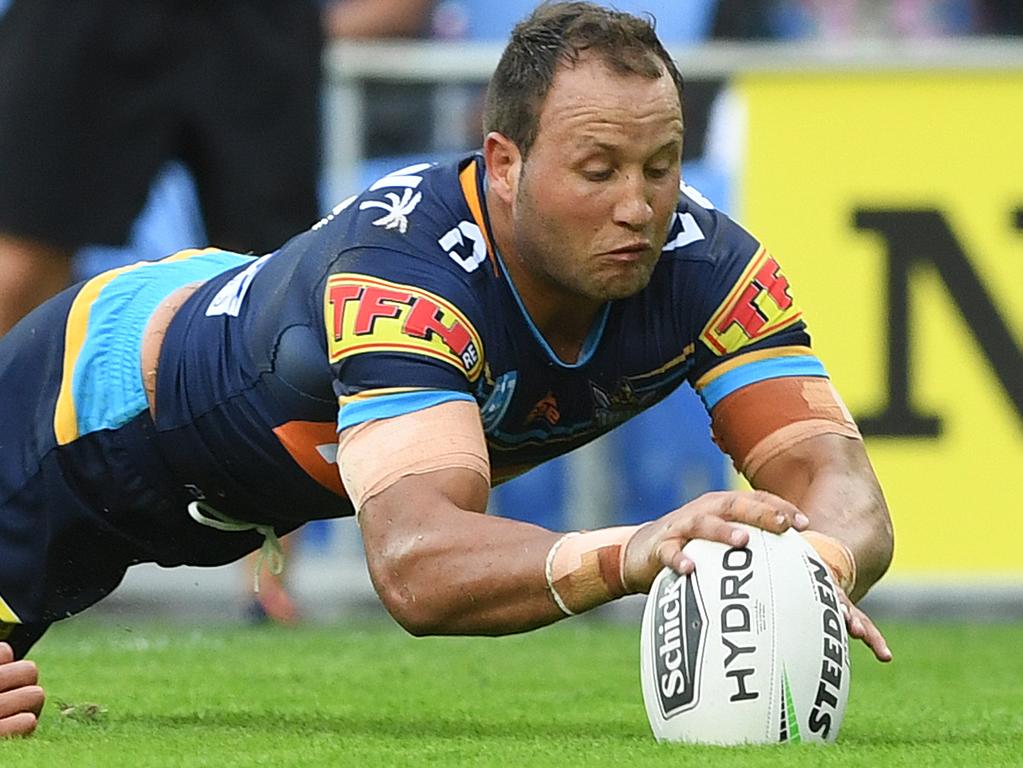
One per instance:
(633, 208)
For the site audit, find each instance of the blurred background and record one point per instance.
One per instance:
(872, 145)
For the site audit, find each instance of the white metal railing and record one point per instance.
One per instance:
(350, 65)
(431, 61)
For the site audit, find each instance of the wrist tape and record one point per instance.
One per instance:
(837, 556)
(584, 569)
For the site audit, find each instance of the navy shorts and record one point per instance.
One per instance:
(84, 488)
(96, 96)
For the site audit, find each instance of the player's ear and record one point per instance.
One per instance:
(504, 163)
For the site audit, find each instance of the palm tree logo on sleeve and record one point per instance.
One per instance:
(397, 206)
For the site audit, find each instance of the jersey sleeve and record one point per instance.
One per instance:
(401, 335)
(749, 326)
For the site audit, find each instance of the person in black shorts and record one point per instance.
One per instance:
(95, 97)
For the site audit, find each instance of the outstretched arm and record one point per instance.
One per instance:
(440, 566)
(829, 478)
(794, 437)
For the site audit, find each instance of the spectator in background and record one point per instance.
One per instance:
(96, 96)
(858, 19)
(851, 19)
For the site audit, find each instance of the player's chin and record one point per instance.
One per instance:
(624, 280)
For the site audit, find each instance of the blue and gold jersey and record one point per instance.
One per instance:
(396, 301)
(399, 300)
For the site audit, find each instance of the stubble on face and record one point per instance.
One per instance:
(567, 226)
(548, 246)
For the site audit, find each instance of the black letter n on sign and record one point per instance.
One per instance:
(923, 237)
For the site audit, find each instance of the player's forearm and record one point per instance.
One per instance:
(456, 571)
(854, 512)
(831, 481)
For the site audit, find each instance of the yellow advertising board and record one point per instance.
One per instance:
(894, 202)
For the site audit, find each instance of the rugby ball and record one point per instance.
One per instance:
(751, 648)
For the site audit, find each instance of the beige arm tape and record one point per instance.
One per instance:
(763, 420)
(837, 556)
(790, 435)
(586, 569)
(376, 454)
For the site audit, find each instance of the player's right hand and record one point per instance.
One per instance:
(21, 697)
(711, 516)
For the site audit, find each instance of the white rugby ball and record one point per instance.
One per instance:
(751, 648)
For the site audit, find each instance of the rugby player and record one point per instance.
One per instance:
(388, 363)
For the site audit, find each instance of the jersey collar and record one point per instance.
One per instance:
(473, 180)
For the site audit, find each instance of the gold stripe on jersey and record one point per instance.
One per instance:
(751, 357)
(687, 352)
(467, 178)
(7, 614)
(76, 330)
(370, 394)
(65, 417)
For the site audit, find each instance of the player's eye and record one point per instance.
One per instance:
(658, 172)
(597, 174)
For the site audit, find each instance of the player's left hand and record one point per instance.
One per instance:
(21, 698)
(712, 516)
(861, 627)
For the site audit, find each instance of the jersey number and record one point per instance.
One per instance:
(467, 256)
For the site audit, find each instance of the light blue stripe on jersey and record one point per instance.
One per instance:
(759, 370)
(389, 406)
(107, 383)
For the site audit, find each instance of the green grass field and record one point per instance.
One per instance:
(368, 695)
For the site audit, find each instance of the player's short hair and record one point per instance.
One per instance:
(558, 34)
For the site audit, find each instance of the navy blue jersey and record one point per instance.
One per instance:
(398, 300)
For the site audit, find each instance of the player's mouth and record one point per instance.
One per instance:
(631, 252)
